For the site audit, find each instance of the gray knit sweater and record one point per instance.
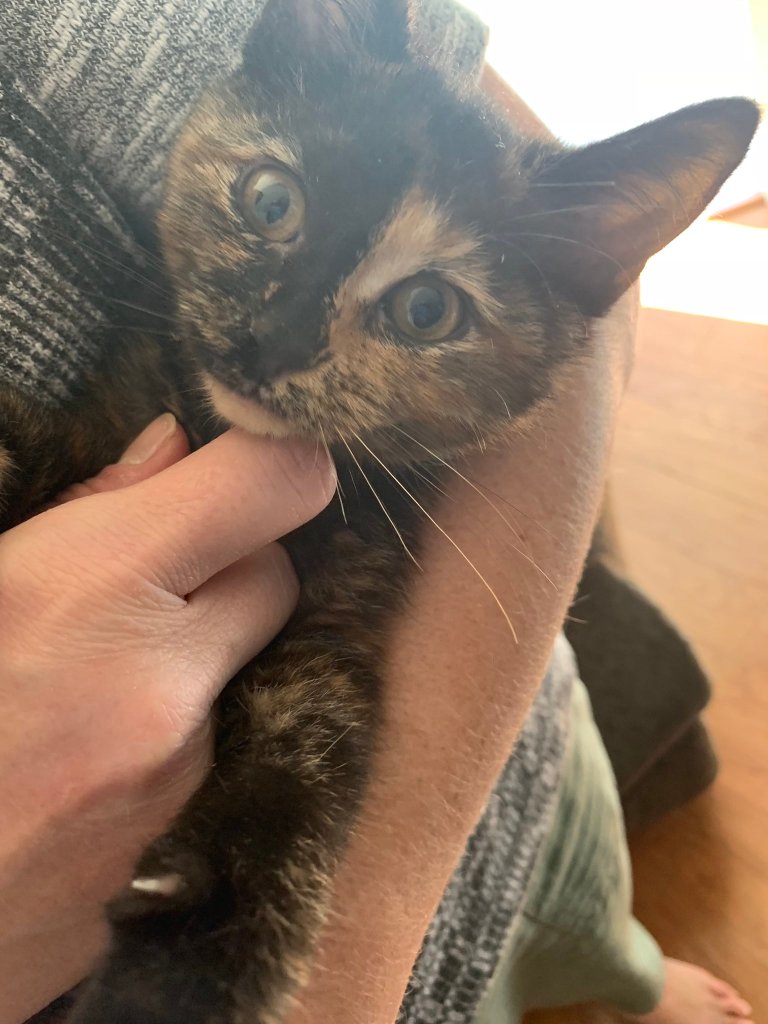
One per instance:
(92, 93)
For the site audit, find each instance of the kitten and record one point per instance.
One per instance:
(362, 252)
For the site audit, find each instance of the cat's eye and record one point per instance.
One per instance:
(272, 202)
(425, 308)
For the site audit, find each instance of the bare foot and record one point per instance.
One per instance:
(694, 996)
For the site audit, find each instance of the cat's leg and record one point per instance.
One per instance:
(6, 469)
(44, 448)
(33, 459)
(220, 922)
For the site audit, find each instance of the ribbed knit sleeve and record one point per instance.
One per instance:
(63, 250)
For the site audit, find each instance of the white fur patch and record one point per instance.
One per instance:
(245, 413)
(163, 885)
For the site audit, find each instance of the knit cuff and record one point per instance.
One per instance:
(63, 250)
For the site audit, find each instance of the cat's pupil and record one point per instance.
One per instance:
(273, 203)
(426, 308)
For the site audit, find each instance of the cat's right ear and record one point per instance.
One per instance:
(294, 37)
(598, 213)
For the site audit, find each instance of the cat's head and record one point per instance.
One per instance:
(363, 249)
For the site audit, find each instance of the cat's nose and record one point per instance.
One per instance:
(262, 358)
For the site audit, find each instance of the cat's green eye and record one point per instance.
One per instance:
(425, 308)
(272, 203)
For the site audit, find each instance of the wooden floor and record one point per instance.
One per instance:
(691, 487)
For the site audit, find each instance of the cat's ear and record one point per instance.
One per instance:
(294, 36)
(597, 214)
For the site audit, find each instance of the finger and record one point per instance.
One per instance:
(229, 620)
(208, 511)
(159, 446)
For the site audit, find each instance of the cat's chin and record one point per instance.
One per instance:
(246, 413)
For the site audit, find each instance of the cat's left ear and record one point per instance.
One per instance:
(595, 215)
(294, 36)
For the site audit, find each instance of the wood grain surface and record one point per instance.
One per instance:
(691, 491)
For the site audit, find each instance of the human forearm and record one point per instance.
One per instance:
(510, 104)
(459, 685)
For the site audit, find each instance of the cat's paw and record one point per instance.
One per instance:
(172, 967)
(197, 965)
(222, 916)
(172, 959)
(192, 944)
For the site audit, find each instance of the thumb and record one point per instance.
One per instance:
(157, 447)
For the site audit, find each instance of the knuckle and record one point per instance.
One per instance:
(25, 572)
(63, 589)
(269, 580)
(74, 491)
(151, 749)
(279, 567)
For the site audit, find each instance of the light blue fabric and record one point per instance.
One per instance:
(576, 940)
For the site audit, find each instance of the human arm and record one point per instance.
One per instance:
(458, 687)
(123, 614)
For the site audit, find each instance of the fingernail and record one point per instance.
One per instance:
(149, 440)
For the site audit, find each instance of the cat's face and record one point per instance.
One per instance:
(336, 261)
(361, 253)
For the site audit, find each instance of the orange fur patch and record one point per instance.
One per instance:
(418, 237)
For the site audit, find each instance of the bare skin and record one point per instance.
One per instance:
(694, 996)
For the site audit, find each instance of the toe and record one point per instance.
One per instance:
(720, 988)
(732, 1002)
(737, 1007)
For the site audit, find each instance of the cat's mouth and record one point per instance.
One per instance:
(249, 413)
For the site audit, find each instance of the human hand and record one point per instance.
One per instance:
(123, 614)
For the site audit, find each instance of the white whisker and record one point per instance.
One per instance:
(447, 536)
(573, 184)
(487, 500)
(572, 241)
(339, 491)
(504, 401)
(382, 506)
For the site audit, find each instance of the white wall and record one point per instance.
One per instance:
(590, 68)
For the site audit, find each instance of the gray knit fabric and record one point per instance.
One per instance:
(63, 250)
(92, 93)
(485, 895)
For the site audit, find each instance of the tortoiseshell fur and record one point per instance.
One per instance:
(404, 170)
